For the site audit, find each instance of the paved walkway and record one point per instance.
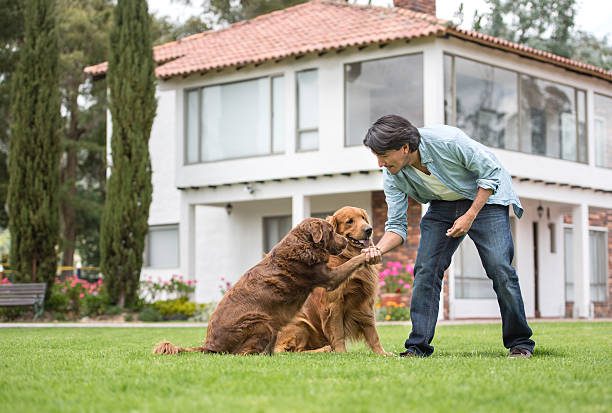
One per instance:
(117, 324)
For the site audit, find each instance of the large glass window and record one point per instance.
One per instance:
(603, 131)
(308, 110)
(549, 122)
(504, 109)
(486, 107)
(380, 87)
(598, 261)
(234, 120)
(162, 247)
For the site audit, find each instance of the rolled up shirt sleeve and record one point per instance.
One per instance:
(397, 205)
(479, 160)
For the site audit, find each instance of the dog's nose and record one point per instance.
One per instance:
(368, 231)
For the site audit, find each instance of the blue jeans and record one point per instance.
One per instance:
(491, 234)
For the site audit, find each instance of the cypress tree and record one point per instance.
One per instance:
(131, 79)
(35, 148)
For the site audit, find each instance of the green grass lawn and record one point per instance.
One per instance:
(113, 370)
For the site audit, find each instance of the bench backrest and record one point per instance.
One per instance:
(22, 294)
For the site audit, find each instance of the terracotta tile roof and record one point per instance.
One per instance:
(314, 27)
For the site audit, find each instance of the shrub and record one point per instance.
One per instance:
(149, 314)
(77, 297)
(396, 278)
(392, 312)
(177, 309)
(150, 289)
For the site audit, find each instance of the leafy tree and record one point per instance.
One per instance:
(34, 148)
(84, 26)
(132, 104)
(163, 30)
(547, 25)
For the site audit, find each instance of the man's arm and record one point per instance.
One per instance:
(463, 224)
(388, 242)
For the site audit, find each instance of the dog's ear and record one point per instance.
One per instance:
(365, 214)
(317, 232)
(334, 223)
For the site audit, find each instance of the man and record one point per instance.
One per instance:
(469, 192)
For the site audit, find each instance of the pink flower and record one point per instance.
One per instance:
(382, 284)
(400, 281)
(81, 295)
(407, 286)
(95, 293)
(149, 282)
(188, 282)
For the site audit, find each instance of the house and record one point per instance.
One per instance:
(260, 125)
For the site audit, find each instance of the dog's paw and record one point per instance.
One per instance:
(165, 347)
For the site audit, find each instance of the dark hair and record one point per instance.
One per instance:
(391, 132)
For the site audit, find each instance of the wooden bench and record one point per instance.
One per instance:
(12, 295)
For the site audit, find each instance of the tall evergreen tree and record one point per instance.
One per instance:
(131, 80)
(34, 148)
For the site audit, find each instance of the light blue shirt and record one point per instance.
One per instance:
(459, 162)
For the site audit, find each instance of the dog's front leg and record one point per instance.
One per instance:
(336, 276)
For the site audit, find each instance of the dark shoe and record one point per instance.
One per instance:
(519, 352)
(407, 353)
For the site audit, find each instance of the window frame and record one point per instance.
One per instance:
(345, 89)
(199, 90)
(519, 115)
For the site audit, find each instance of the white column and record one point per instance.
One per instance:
(300, 208)
(187, 239)
(581, 254)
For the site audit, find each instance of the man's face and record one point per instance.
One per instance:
(396, 159)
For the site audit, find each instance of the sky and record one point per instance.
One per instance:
(594, 16)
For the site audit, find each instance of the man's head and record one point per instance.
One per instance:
(394, 141)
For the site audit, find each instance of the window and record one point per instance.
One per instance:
(508, 110)
(307, 110)
(569, 264)
(603, 131)
(598, 262)
(380, 87)
(275, 228)
(471, 279)
(162, 247)
(549, 122)
(234, 120)
(599, 265)
(486, 105)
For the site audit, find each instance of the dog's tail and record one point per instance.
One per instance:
(166, 347)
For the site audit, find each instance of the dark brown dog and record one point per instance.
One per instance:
(329, 318)
(267, 297)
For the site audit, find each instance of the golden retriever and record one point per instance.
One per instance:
(329, 318)
(267, 297)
